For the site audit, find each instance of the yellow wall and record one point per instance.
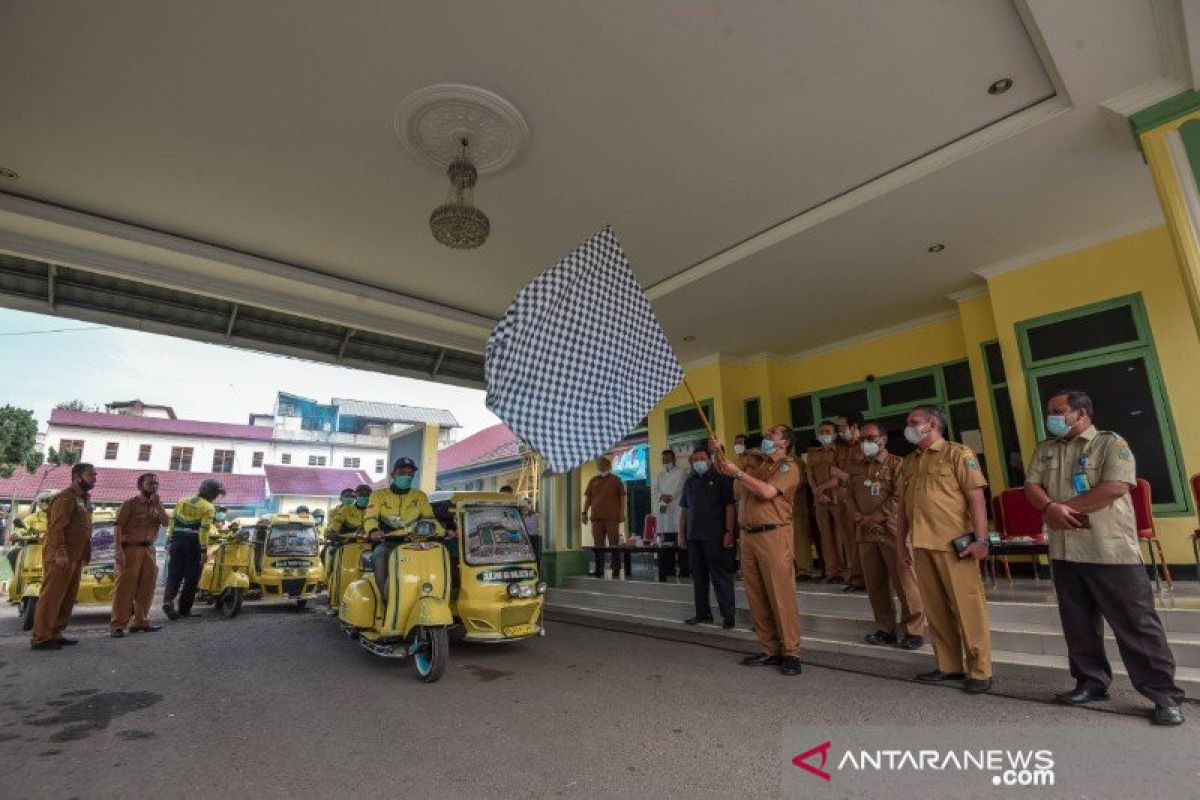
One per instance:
(978, 326)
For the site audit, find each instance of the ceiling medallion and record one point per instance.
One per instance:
(432, 122)
(457, 223)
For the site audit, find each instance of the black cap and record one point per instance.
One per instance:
(404, 462)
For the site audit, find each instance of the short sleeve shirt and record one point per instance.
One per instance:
(607, 494)
(936, 482)
(1111, 535)
(781, 471)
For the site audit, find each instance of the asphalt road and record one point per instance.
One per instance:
(278, 703)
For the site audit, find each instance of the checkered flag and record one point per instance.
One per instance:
(579, 358)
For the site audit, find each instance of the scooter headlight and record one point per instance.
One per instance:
(426, 588)
(541, 587)
(514, 590)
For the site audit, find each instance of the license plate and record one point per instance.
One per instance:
(520, 630)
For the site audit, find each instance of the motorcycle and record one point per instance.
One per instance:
(276, 560)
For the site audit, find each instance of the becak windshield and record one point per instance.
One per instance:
(292, 539)
(496, 535)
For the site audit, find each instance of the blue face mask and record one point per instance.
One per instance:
(347, 501)
(1056, 426)
(402, 482)
(362, 502)
(767, 447)
(701, 467)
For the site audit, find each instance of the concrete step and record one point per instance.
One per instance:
(1054, 666)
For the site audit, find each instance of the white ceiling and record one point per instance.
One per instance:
(689, 126)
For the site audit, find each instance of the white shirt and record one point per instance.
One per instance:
(668, 482)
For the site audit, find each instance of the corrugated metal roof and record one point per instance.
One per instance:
(118, 484)
(312, 481)
(394, 412)
(183, 427)
(490, 444)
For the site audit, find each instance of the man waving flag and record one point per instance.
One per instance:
(579, 358)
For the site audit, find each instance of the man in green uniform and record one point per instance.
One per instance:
(187, 538)
(390, 509)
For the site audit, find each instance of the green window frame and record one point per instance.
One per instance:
(995, 386)
(692, 434)
(1142, 347)
(747, 404)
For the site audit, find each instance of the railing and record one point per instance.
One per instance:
(330, 437)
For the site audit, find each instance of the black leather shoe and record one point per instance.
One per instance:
(1167, 715)
(170, 611)
(850, 587)
(977, 685)
(727, 624)
(117, 633)
(879, 637)
(790, 666)
(1078, 696)
(65, 642)
(46, 645)
(146, 629)
(911, 643)
(834, 579)
(762, 660)
(697, 620)
(937, 676)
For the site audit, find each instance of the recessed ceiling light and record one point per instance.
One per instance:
(1001, 86)
(689, 338)
(5, 172)
(937, 248)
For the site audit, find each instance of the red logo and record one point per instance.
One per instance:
(801, 761)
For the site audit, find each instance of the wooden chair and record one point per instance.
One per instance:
(1144, 515)
(1021, 519)
(1195, 481)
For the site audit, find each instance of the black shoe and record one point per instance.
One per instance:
(146, 629)
(1079, 695)
(834, 579)
(49, 644)
(696, 620)
(762, 660)
(880, 637)
(977, 685)
(937, 676)
(1167, 715)
(65, 642)
(727, 623)
(790, 666)
(909, 642)
(850, 587)
(170, 611)
(117, 633)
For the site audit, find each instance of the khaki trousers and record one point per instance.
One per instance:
(847, 534)
(884, 575)
(803, 536)
(769, 575)
(952, 590)
(831, 549)
(57, 599)
(135, 588)
(607, 533)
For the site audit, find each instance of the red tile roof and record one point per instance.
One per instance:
(183, 427)
(490, 444)
(115, 485)
(312, 481)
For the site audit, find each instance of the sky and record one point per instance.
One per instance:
(47, 360)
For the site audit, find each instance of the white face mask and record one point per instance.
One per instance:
(869, 449)
(739, 449)
(670, 465)
(846, 435)
(605, 473)
(915, 433)
(825, 439)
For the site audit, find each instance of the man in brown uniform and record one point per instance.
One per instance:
(803, 527)
(874, 493)
(136, 528)
(604, 506)
(943, 499)
(68, 547)
(768, 569)
(848, 455)
(826, 489)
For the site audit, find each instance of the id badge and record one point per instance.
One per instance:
(874, 490)
(1079, 482)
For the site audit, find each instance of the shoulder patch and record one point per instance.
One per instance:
(784, 467)
(972, 463)
(1124, 454)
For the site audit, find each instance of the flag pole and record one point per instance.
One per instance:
(696, 403)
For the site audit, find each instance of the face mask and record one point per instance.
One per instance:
(701, 467)
(825, 439)
(668, 465)
(605, 473)
(402, 482)
(845, 435)
(1056, 425)
(870, 449)
(347, 501)
(767, 447)
(740, 449)
(361, 502)
(914, 434)
(220, 516)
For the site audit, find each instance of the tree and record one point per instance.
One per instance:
(76, 405)
(18, 440)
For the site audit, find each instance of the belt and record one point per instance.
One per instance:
(137, 544)
(761, 528)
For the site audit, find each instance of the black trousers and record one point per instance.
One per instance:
(708, 565)
(1089, 595)
(183, 568)
(667, 562)
(379, 563)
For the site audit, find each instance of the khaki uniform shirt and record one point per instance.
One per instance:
(783, 472)
(820, 461)
(607, 496)
(936, 481)
(138, 521)
(874, 493)
(1111, 535)
(70, 524)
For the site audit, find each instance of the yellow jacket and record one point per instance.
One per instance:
(34, 523)
(389, 509)
(343, 522)
(193, 514)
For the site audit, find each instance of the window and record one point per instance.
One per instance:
(256, 460)
(958, 381)
(834, 405)
(1106, 350)
(316, 461)
(800, 408)
(908, 391)
(684, 425)
(71, 446)
(110, 451)
(1002, 410)
(752, 411)
(351, 463)
(181, 459)
(144, 452)
(286, 458)
(222, 461)
(379, 465)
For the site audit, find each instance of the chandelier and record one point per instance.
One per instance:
(457, 223)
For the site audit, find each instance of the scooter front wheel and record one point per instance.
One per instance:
(28, 611)
(230, 602)
(431, 651)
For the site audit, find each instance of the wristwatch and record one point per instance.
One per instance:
(738, 474)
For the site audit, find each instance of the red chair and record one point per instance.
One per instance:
(1196, 533)
(1021, 519)
(1143, 513)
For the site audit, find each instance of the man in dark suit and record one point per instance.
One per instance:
(706, 527)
